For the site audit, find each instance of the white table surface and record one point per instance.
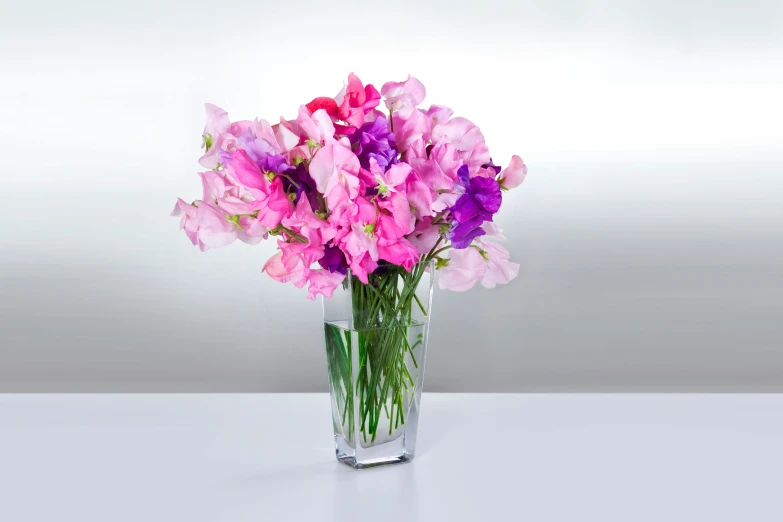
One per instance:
(235, 458)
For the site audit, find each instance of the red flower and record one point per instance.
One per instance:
(325, 103)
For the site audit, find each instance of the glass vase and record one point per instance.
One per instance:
(376, 345)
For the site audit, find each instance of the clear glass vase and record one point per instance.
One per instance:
(376, 345)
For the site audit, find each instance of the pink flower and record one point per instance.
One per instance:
(247, 172)
(360, 241)
(318, 126)
(390, 181)
(204, 224)
(419, 196)
(356, 101)
(424, 236)
(399, 252)
(395, 219)
(484, 261)
(439, 114)
(403, 97)
(465, 268)
(335, 170)
(410, 129)
(444, 201)
(289, 270)
(460, 132)
(309, 252)
(439, 171)
(275, 206)
(252, 231)
(514, 174)
(323, 282)
(498, 269)
(217, 124)
(466, 138)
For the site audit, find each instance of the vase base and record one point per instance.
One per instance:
(395, 451)
(373, 463)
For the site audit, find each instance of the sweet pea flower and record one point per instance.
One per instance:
(333, 260)
(439, 114)
(356, 100)
(514, 174)
(309, 251)
(335, 170)
(348, 185)
(410, 129)
(424, 235)
(204, 224)
(325, 103)
(318, 125)
(291, 270)
(465, 268)
(323, 282)
(247, 171)
(374, 141)
(391, 180)
(403, 97)
(419, 196)
(466, 138)
(444, 201)
(252, 231)
(485, 262)
(361, 250)
(498, 269)
(480, 201)
(275, 207)
(395, 219)
(217, 125)
(399, 252)
(439, 171)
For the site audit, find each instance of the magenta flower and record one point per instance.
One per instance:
(356, 101)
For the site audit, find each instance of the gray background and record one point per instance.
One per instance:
(650, 229)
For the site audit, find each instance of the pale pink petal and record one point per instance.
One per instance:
(287, 139)
(499, 270)
(322, 167)
(460, 132)
(396, 174)
(513, 175)
(424, 236)
(439, 114)
(407, 131)
(444, 201)
(465, 269)
(323, 282)
(402, 97)
(276, 270)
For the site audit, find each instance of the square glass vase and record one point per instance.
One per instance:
(376, 345)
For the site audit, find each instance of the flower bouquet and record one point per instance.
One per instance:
(366, 205)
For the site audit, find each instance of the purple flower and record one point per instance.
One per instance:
(297, 180)
(333, 260)
(375, 140)
(492, 166)
(480, 201)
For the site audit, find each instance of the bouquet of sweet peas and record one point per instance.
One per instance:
(346, 185)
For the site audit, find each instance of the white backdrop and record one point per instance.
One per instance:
(649, 228)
